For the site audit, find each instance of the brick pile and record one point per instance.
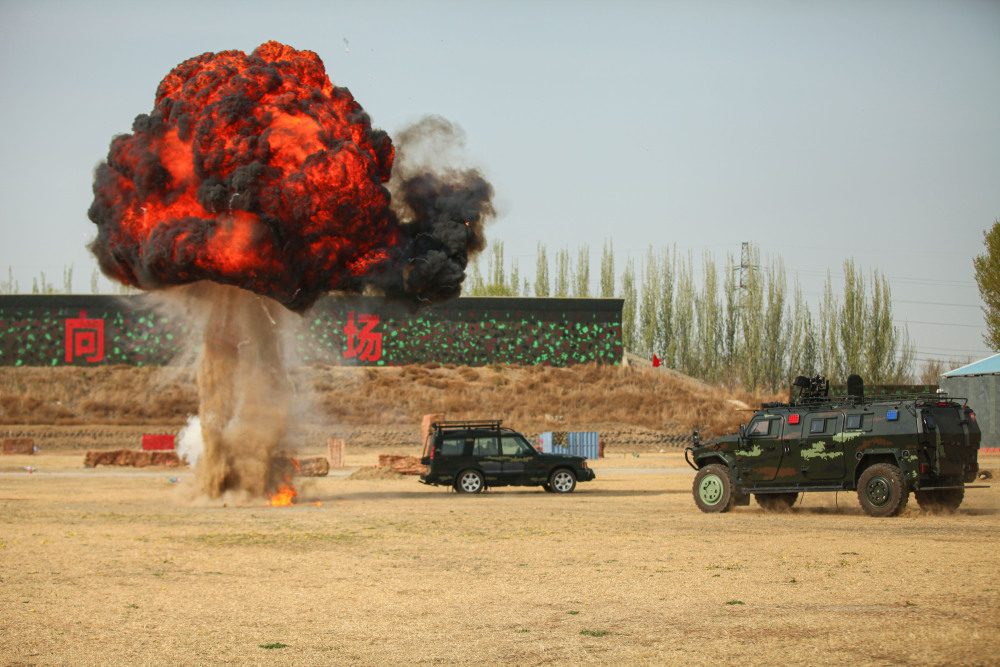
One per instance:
(131, 457)
(404, 465)
(18, 446)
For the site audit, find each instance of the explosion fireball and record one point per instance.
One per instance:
(257, 173)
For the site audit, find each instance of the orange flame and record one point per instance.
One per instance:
(285, 495)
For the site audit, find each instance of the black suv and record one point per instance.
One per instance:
(883, 449)
(473, 455)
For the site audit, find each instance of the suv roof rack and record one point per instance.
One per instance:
(474, 423)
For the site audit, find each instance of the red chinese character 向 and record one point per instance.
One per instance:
(85, 337)
(365, 345)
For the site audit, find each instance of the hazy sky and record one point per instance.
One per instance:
(817, 130)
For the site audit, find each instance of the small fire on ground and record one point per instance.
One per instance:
(285, 495)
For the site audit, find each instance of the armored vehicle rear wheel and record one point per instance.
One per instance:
(470, 481)
(940, 500)
(776, 502)
(881, 491)
(713, 489)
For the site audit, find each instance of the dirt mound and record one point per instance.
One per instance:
(630, 406)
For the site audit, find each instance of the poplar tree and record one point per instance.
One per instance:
(666, 343)
(710, 328)
(581, 276)
(851, 322)
(608, 270)
(686, 354)
(987, 268)
(629, 306)
(646, 335)
(541, 272)
(561, 287)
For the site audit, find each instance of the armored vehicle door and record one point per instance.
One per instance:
(761, 451)
(821, 448)
(949, 438)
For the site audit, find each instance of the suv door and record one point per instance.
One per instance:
(453, 452)
(486, 454)
(518, 458)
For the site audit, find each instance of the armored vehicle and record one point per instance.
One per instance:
(473, 455)
(884, 449)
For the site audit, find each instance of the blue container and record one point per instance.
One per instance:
(577, 443)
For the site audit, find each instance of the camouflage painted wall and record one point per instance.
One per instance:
(57, 330)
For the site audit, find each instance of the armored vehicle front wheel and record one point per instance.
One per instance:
(713, 489)
(940, 500)
(881, 491)
(470, 481)
(562, 481)
(776, 502)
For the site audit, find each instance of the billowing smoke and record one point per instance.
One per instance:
(257, 173)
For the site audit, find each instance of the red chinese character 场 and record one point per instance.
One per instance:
(366, 345)
(84, 337)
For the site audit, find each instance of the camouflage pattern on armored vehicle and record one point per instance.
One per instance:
(884, 449)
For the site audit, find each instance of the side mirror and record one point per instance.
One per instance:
(743, 431)
(696, 438)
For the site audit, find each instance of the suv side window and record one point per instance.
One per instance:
(486, 445)
(512, 445)
(453, 446)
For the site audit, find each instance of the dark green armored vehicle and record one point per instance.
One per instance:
(883, 449)
(473, 455)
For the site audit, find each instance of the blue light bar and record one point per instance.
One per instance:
(892, 415)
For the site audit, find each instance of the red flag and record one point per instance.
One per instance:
(656, 361)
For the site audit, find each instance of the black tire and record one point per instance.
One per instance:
(942, 501)
(713, 489)
(470, 481)
(776, 502)
(562, 481)
(881, 491)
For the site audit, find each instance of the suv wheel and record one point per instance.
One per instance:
(776, 502)
(881, 491)
(470, 481)
(713, 489)
(940, 500)
(562, 481)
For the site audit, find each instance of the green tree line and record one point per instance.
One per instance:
(740, 325)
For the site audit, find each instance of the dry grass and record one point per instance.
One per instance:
(111, 567)
(532, 398)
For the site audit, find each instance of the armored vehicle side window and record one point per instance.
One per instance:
(868, 422)
(853, 423)
(486, 445)
(760, 428)
(452, 446)
(817, 426)
(511, 445)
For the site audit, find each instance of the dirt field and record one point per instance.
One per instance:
(113, 567)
